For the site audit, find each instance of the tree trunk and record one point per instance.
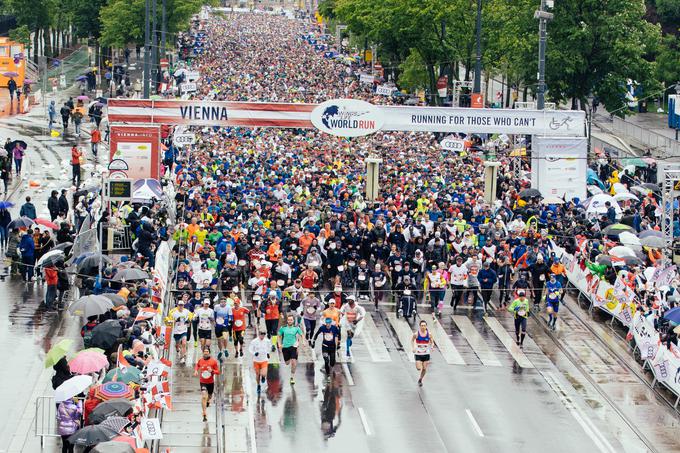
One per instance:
(36, 45)
(507, 94)
(48, 42)
(524, 94)
(433, 98)
(55, 42)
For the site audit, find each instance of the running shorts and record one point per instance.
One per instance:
(422, 357)
(178, 336)
(238, 337)
(208, 387)
(221, 331)
(260, 366)
(204, 334)
(289, 353)
(555, 305)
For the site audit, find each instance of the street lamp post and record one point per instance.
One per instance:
(477, 86)
(147, 50)
(543, 17)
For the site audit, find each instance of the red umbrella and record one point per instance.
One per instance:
(47, 223)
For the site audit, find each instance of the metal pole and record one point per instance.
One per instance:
(590, 130)
(164, 28)
(477, 88)
(154, 47)
(147, 36)
(543, 18)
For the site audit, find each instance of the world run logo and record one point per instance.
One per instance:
(347, 117)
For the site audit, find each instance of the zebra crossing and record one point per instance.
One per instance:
(484, 343)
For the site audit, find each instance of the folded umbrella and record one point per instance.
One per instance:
(654, 242)
(130, 274)
(86, 362)
(47, 223)
(21, 222)
(92, 435)
(112, 408)
(112, 390)
(57, 352)
(117, 299)
(91, 305)
(125, 375)
(106, 334)
(72, 387)
(113, 446)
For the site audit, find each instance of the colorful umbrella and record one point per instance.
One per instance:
(28, 82)
(92, 435)
(82, 97)
(47, 223)
(673, 315)
(86, 362)
(57, 352)
(124, 375)
(81, 78)
(72, 387)
(112, 390)
(617, 228)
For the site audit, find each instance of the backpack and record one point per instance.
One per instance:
(87, 338)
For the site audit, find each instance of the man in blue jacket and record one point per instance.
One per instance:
(28, 209)
(487, 279)
(27, 249)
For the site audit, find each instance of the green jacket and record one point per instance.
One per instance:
(518, 305)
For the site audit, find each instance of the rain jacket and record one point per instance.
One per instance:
(27, 246)
(68, 417)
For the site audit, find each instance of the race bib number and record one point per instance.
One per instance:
(522, 312)
(541, 277)
(328, 336)
(238, 323)
(362, 278)
(379, 284)
(220, 320)
(205, 374)
(311, 310)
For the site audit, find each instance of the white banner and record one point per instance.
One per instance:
(384, 90)
(453, 144)
(559, 165)
(366, 78)
(151, 429)
(645, 336)
(188, 87)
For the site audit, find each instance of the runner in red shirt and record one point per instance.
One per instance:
(309, 279)
(206, 369)
(271, 318)
(240, 314)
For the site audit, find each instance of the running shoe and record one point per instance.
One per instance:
(219, 356)
(292, 381)
(259, 389)
(241, 353)
(263, 379)
(205, 419)
(195, 343)
(226, 353)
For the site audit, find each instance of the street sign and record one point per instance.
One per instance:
(188, 87)
(183, 139)
(120, 190)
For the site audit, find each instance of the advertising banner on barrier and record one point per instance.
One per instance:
(138, 147)
(645, 336)
(558, 166)
(396, 118)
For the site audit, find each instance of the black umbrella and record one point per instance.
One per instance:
(92, 435)
(604, 259)
(106, 334)
(529, 193)
(648, 233)
(632, 261)
(91, 262)
(64, 246)
(652, 187)
(21, 222)
(21, 143)
(117, 299)
(117, 407)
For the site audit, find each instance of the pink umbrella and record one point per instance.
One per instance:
(82, 97)
(10, 74)
(47, 223)
(88, 362)
(28, 82)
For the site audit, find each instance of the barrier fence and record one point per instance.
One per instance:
(617, 301)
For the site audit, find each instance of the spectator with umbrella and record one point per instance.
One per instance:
(12, 88)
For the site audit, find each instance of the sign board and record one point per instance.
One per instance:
(384, 90)
(347, 118)
(366, 78)
(120, 189)
(183, 139)
(188, 87)
(138, 147)
(151, 429)
(453, 144)
(477, 100)
(559, 165)
(564, 123)
(192, 76)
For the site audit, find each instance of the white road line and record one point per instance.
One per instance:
(364, 421)
(476, 341)
(348, 375)
(583, 420)
(475, 425)
(374, 342)
(404, 333)
(444, 343)
(251, 415)
(508, 342)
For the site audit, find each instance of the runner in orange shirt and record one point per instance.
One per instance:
(206, 369)
(239, 328)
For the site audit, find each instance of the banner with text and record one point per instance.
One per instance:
(396, 118)
(139, 148)
(559, 166)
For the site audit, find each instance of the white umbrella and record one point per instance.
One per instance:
(597, 203)
(641, 190)
(619, 188)
(629, 239)
(594, 190)
(621, 251)
(91, 305)
(72, 387)
(622, 196)
(48, 255)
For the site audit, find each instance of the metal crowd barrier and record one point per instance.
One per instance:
(45, 418)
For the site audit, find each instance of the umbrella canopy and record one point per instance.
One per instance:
(90, 262)
(621, 251)
(146, 189)
(652, 187)
(625, 196)
(130, 275)
(117, 299)
(629, 239)
(632, 261)
(20, 143)
(619, 188)
(21, 222)
(47, 223)
(112, 408)
(92, 435)
(72, 387)
(654, 242)
(616, 228)
(83, 97)
(597, 203)
(124, 375)
(6, 204)
(57, 352)
(91, 305)
(640, 190)
(63, 246)
(106, 334)
(51, 257)
(673, 315)
(648, 233)
(113, 446)
(86, 362)
(529, 193)
(10, 74)
(116, 423)
(112, 390)
(604, 259)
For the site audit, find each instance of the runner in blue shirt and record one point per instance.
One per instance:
(223, 320)
(553, 291)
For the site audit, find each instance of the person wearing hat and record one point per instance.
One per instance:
(310, 307)
(206, 319)
(259, 349)
(352, 314)
(223, 322)
(330, 342)
(487, 279)
(520, 309)
(553, 293)
(180, 317)
(239, 313)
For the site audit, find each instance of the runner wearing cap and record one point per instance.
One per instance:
(271, 318)
(259, 348)
(520, 308)
(352, 314)
(330, 343)
(310, 308)
(223, 322)
(179, 317)
(206, 319)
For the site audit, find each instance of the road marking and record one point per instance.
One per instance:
(364, 421)
(348, 375)
(478, 344)
(404, 334)
(251, 415)
(374, 342)
(475, 425)
(444, 343)
(508, 342)
(591, 430)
